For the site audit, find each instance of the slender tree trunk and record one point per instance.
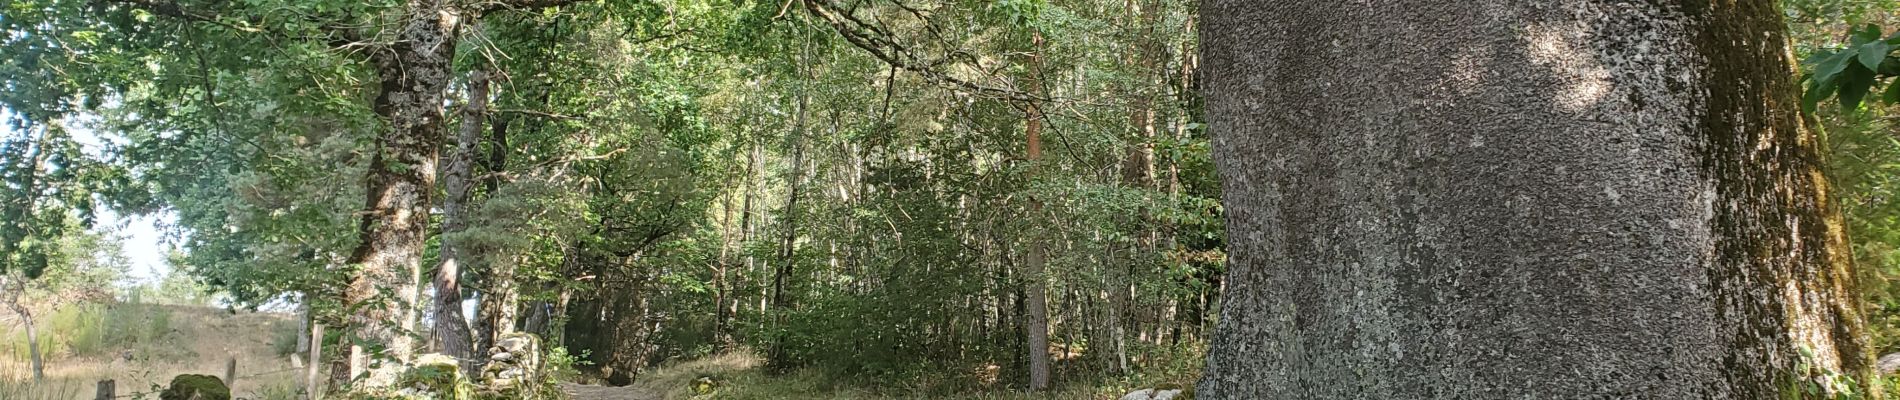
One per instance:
(29, 211)
(1442, 199)
(788, 246)
(484, 329)
(382, 293)
(15, 291)
(451, 328)
(722, 336)
(1036, 335)
(499, 304)
(753, 160)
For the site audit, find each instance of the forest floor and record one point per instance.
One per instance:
(592, 392)
(142, 346)
(740, 376)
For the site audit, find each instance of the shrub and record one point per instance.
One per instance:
(92, 329)
(196, 387)
(283, 338)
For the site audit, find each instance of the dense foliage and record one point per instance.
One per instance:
(846, 187)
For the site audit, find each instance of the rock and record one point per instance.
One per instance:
(1153, 394)
(704, 385)
(433, 376)
(514, 361)
(1888, 364)
(196, 387)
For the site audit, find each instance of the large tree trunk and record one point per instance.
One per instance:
(383, 290)
(451, 328)
(1555, 199)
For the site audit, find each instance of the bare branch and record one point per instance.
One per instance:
(539, 113)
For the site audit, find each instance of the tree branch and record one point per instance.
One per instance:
(504, 5)
(341, 36)
(871, 38)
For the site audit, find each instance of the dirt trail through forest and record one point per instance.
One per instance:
(591, 392)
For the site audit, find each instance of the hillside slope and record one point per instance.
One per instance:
(142, 346)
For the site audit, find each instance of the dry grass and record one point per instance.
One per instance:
(198, 341)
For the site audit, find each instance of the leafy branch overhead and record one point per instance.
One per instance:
(1851, 73)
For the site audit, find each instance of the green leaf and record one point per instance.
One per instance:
(1833, 65)
(1892, 95)
(1817, 57)
(1855, 84)
(1868, 33)
(1817, 91)
(1872, 53)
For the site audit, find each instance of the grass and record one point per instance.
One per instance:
(93, 329)
(142, 346)
(19, 385)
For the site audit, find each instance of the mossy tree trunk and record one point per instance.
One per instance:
(1443, 199)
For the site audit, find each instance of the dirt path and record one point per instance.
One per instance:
(590, 392)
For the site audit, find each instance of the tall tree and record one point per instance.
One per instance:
(1439, 199)
(451, 328)
(1035, 297)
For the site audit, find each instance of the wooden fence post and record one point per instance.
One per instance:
(106, 390)
(312, 382)
(230, 373)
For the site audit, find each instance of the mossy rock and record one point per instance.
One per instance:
(1187, 391)
(436, 375)
(704, 385)
(196, 387)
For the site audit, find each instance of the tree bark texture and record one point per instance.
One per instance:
(1441, 199)
(451, 328)
(382, 295)
(1036, 330)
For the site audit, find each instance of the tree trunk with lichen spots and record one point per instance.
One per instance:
(382, 295)
(1443, 199)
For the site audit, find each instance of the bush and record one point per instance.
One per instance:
(283, 338)
(196, 387)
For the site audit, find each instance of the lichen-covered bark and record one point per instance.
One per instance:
(1441, 199)
(382, 295)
